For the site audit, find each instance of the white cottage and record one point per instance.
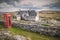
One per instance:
(30, 15)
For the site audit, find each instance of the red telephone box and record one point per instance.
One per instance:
(8, 20)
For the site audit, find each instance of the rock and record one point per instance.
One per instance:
(28, 38)
(18, 37)
(7, 35)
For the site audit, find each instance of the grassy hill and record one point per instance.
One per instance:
(50, 14)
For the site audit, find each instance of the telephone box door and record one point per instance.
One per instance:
(8, 20)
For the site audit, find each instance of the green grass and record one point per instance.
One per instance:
(32, 35)
(45, 24)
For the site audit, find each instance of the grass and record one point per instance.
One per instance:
(58, 26)
(51, 15)
(32, 35)
(46, 24)
(27, 22)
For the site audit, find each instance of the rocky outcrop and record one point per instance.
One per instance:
(7, 35)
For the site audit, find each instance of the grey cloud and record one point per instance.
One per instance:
(37, 3)
(4, 7)
(32, 4)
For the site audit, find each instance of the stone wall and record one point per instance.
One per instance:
(52, 31)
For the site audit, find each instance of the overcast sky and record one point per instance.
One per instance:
(31, 4)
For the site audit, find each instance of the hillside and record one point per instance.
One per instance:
(50, 14)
